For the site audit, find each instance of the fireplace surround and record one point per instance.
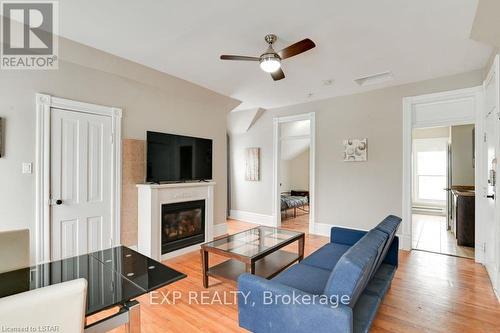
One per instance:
(155, 201)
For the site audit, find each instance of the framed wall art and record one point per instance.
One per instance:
(252, 164)
(355, 150)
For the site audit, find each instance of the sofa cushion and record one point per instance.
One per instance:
(327, 256)
(304, 277)
(378, 239)
(389, 226)
(345, 236)
(352, 272)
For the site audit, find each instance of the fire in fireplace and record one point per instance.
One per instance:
(182, 225)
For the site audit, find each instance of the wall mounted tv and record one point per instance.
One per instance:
(177, 158)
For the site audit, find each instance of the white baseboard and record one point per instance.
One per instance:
(220, 229)
(479, 253)
(251, 217)
(322, 229)
(179, 252)
(496, 288)
(405, 243)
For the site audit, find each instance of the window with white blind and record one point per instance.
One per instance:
(430, 166)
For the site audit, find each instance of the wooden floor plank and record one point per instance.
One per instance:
(429, 293)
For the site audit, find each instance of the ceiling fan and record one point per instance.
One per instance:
(270, 60)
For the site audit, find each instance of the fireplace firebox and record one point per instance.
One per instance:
(182, 225)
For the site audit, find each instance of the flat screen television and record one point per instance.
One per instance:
(176, 158)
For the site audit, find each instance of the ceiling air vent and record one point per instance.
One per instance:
(374, 79)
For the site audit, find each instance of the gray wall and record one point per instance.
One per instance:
(150, 101)
(349, 194)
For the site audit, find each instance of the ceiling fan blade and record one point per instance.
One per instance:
(297, 48)
(278, 75)
(236, 57)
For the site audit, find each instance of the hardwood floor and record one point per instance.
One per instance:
(299, 223)
(430, 293)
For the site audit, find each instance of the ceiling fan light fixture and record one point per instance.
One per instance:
(270, 63)
(270, 60)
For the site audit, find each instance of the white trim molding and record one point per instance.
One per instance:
(488, 226)
(449, 108)
(322, 229)
(44, 104)
(251, 217)
(276, 217)
(151, 198)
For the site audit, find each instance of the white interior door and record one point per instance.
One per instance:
(491, 214)
(80, 183)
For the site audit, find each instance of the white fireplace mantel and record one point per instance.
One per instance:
(150, 199)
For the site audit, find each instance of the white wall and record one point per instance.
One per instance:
(295, 173)
(352, 194)
(299, 172)
(462, 167)
(285, 180)
(150, 101)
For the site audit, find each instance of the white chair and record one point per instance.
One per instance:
(61, 306)
(14, 249)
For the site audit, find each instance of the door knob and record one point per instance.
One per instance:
(491, 196)
(58, 202)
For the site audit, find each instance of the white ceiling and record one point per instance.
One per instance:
(415, 40)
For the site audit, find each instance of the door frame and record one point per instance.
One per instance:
(411, 121)
(312, 166)
(491, 267)
(44, 105)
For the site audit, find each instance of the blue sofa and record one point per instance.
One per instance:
(338, 288)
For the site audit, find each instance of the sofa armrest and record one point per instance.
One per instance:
(268, 306)
(345, 236)
(392, 254)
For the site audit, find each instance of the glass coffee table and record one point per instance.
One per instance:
(257, 251)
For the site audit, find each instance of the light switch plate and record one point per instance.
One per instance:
(27, 168)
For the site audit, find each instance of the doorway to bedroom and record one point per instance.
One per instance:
(294, 171)
(294, 174)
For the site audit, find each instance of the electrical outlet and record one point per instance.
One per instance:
(27, 168)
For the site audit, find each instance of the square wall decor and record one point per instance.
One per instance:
(355, 150)
(252, 164)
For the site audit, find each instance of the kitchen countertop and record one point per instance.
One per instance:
(463, 190)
